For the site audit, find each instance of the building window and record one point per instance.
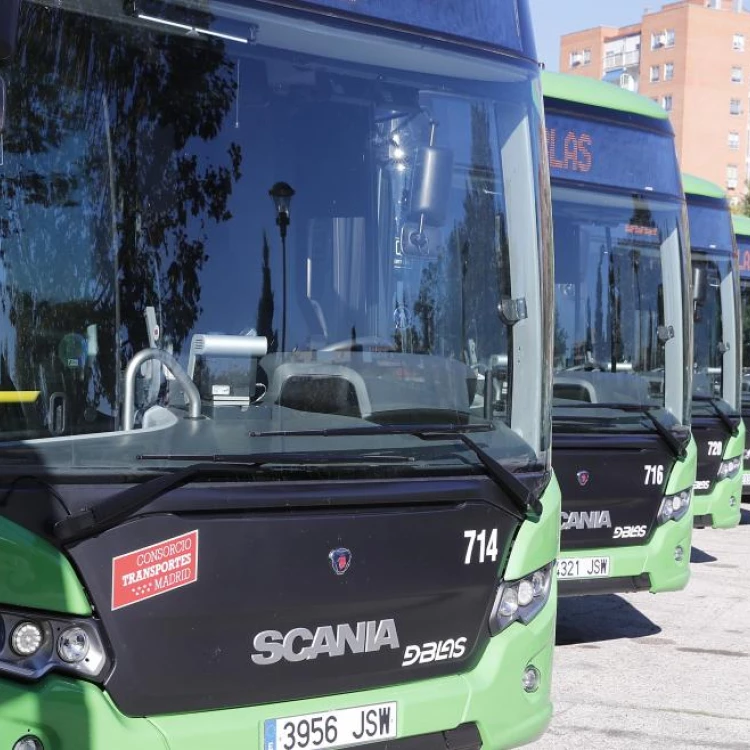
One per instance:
(736, 75)
(575, 59)
(668, 71)
(654, 74)
(731, 177)
(734, 140)
(661, 39)
(735, 106)
(587, 57)
(738, 42)
(666, 102)
(669, 34)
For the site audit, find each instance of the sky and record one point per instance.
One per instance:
(553, 18)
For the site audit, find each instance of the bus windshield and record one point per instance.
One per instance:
(743, 245)
(617, 279)
(322, 234)
(714, 300)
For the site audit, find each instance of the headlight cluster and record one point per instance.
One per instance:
(33, 644)
(674, 507)
(521, 600)
(730, 468)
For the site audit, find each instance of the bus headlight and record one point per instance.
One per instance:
(32, 646)
(674, 507)
(521, 600)
(730, 468)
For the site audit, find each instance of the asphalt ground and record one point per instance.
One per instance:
(659, 671)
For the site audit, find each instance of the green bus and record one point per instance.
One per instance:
(623, 453)
(741, 225)
(717, 423)
(275, 380)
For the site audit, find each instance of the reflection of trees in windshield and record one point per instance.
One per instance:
(616, 261)
(95, 106)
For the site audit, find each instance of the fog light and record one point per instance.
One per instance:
(732, 501)
(531, 679)
(679, 554)
(73, 645)
(26, 639)
(29, 742)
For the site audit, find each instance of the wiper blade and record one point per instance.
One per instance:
(383, 429)
(732, 425)
(283, 459)
(525, 501)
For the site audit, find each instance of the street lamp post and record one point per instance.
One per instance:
(281, 194)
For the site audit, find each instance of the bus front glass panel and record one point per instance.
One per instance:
(743, 246)
(136, 214)
(713, 301)
(614, 256)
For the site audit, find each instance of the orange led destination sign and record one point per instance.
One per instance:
(607, 154)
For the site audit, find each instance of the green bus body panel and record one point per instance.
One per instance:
(693, 185)
(538, 543)
(34, 574)
(657, 557)
(599, 94)
(75, 715)
(741, 225)
(717, 502)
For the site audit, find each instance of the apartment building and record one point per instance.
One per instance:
(693, 58)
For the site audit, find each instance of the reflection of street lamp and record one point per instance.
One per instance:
(281, 194)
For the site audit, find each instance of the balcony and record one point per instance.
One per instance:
(622, 60)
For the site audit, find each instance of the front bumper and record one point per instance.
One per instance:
(650, 566)
(720, 508)
(72, 715)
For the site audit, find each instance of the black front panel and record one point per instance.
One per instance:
(295, 603)
(710, 439)
(612, 487)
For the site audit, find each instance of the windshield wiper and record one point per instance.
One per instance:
(528, 504)
(91, 521)
(733, 425)
(676, 445)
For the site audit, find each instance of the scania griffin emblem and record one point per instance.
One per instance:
(341, 559)
(583, 477)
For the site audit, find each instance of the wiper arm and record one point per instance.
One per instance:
(678, 447)
(732, 425)
(525, 501)
(91, 521)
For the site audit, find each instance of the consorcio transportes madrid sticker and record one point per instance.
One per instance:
(153, 570)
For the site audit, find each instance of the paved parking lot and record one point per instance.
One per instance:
(667, 671)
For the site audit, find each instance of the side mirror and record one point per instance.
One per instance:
(700, 283)
(9, 13)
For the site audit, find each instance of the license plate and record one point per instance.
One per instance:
(746, 480)
(583, 567)
(343, 728)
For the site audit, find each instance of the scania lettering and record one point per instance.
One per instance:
(622, 344)
(742, 236)
(366, 637)
(718, 428)
(275, 376)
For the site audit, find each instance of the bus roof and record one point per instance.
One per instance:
(741, 225)
(698, 186)
(599, 94)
